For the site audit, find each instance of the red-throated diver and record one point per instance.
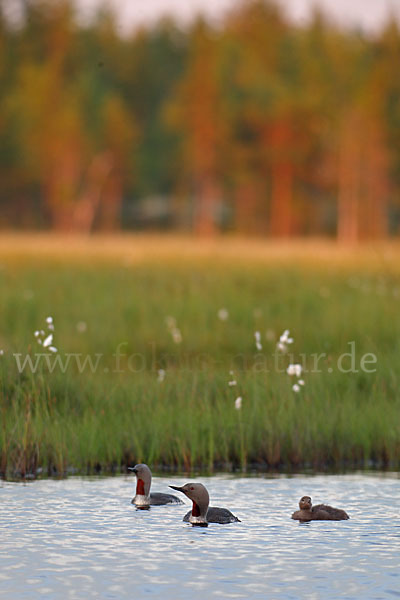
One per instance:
(201, 514)
(143, 496)
(321, 512)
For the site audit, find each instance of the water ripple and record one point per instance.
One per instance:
(81, 538)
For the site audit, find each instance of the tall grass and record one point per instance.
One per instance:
(55, 421)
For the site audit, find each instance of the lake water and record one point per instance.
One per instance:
(81, 538)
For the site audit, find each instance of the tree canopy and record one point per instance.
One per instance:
(255, 125)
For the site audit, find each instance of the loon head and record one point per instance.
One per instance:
(143, 483)
(199, 496)
(305, 503)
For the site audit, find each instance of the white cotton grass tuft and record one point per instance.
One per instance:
(232, 382)
(46, 339)
(1, 352)
(296, 387)
(284, 341)
(284, 338)
(173, 329)
(257, 336)
(223, 314)
(238, 403)
(50, 324)
(295, 369)
(161, 375)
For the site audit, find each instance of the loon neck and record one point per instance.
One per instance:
(196, 512)
(199, 515)
(140, 488)
(141, 500)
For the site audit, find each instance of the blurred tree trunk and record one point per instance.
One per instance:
(376, 185)
(61, 183)
(363, 180)
(88, 202)
(208, 194)
(194, 111)
(282, 175)
(348, 228)
(281, 199)
(203, 131)
(110, 214)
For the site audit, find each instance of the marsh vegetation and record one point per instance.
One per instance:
(132, 391)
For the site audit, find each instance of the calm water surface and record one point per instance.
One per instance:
(81, 538)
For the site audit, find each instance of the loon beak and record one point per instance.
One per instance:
(174, 487)
(132, 469)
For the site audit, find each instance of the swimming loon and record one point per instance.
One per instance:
(201, 514)
(143, 497)
(321, 512)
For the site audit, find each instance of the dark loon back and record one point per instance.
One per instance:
(328, 513)
(217, 515)
(158, 498)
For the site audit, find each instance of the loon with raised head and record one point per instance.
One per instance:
(144, 498)
(321, 512)
(201, 514)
